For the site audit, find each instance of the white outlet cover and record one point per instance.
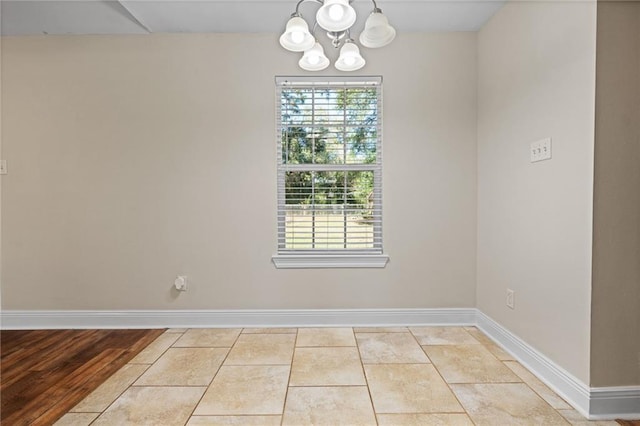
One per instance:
(540, 150)
(511, 298)
(180, 283)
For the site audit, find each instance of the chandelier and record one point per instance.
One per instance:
(336, 17)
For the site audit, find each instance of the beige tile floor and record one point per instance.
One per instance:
(324, 376)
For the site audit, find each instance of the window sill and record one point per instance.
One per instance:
(293, 261)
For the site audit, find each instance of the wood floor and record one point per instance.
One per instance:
(45, 373)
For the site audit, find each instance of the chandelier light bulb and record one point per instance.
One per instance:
(336, 12)
(314, 59)
(296, 36)
(336, 15)
(350, 58)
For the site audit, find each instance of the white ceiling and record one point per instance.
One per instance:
(28, 17)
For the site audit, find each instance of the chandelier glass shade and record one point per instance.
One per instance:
(336, 17)
(350, 58)
(296, 36)
(314, 59)
(377, 31)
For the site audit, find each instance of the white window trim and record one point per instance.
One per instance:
(297, 261)
(328, 260)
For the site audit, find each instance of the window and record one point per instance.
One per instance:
(329, 172)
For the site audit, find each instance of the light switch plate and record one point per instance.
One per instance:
(541, 150)
(3, 167)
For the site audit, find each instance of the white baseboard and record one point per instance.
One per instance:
(31, 320)
(615, 402)
(563, 383)
(594, 403)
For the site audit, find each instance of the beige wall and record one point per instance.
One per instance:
(536, 76)
(1, 157)
(137, 158)
(615, 347)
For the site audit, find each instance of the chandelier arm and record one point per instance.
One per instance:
(297, 12)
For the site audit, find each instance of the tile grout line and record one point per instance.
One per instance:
(522, 381)
(214, 376)
(534, 391)
(447, 383)
(148, 366)
(286, 392)
(366, 380)
(163, 352)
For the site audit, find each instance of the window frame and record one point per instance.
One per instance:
(329, 258)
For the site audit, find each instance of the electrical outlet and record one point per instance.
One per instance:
(540, 150)
(511, 299)
(180, 283)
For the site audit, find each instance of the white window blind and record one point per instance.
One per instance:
(329, 166)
